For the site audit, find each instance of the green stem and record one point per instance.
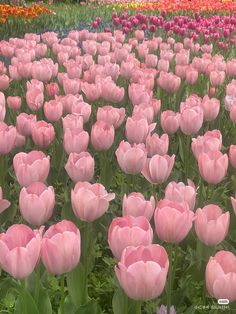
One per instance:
(3, 169)
(172, 267)
(36, 291)
(24, 302)
(138, 305)
(62, 303)
(86, 257)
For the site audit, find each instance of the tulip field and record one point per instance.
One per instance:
(118, 157)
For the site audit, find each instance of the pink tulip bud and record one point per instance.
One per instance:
(43, 133)
(75, 140)
(90, 201)
(36, 203)
(52, 89)
(213, 166)
(111, 115)
(14, 102)
(211, 225)
(173, 220)
(221, 276)
(191, 120)
(170, 121)
(128, 231)
(7, 138)
(102, 135)
(24, 123)
(80, 167)
(4, 204)
(20, 250)
(157, 145)
(53, 110)
(135, 205)
(61, 247)
(158, 168)
(138, 261)
(31, 167)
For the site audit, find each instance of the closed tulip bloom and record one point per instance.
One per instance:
(211, 108)
(82, 108)
(170, 121)
(4, 204)
(151, 61)
(211, 141)
(221, 276)
(52, 89)
(90, 201)
(75, 140)
(7, 138)
(14, 102)
(41, 71)
(163, 65)
(31, 167)
(213, 166)
(173, 220)
(138, 94)
(142, 271)
(53, 110)
(191, 120)
(217, 78)
(135, 205)
(34, 99)
(191, 75)
(72, 121)
(61, 247)
(232, 155)
(43, 133)
(169, 82)
(156, 145)
(4, 82)
(111, 115)
(179, 192)
(20, 250)
(211, 225)
(80, 167)
(102, 135)
(2, 107)
(71, 86)
(137, 129)
(131, 158)
(36, 203)
(158, 168)
(24, 123)
(128, 231)
(91, 91)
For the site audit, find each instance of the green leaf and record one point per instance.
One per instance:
(76, 281)
(25, 304)
(44, 304)
(89, 308)
(119, 302)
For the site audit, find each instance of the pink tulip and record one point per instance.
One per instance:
(91, 91)
(211, 108)
(179, 192)
(232, 155)
(34, 99)
(151, 61)
(128, 231)
(82, 108)
(191, 75)
(52, 89)
(31, 167)
(43, 133)
(41, 71)
(4, 204)
(61, 247)
(4, 82)
(170, 121)
(142, 271)
(112, 92)
(102, 135)
(131, 158)
(211, 225)
(71, 86)
(173, 220)
(111, 115)
(221, 276)
(232, 112)
(75, 140)
(213, 166)
(20, 250)
(14, 102)
(191, 120)
(7, 138)
(156, 145)
(135, 205)
(169, 82)
(163, 65)
(80, 167)
(158, 168)
(211, 141)
(137, 129)
(138, 94)
(36, 203)
(2, 107)
(217, 78)
(90, 201)
(24, 123)
(53, 110)
(72, 121)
